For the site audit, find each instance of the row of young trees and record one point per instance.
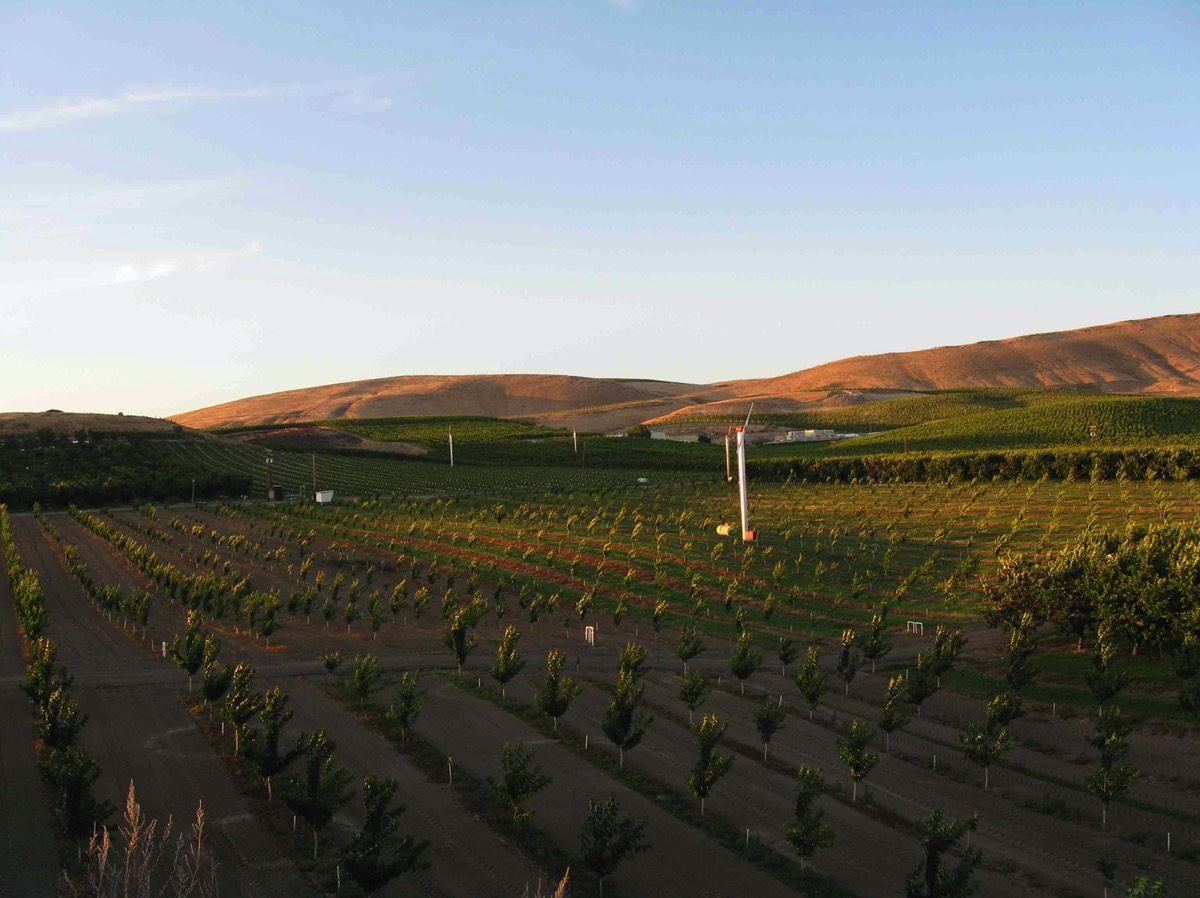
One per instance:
(377, 853)
(64, 765)
(220, 595)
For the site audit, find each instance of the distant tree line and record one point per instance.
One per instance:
(93, 468)
(1181, 463)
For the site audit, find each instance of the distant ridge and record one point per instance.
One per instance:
(1157, 355)
(1151, 355)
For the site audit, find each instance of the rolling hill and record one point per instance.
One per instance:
(1147, 356)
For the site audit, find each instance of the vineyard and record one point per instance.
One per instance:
(550, 655)
(984, 420)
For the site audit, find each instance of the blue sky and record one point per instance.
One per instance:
(200, 202)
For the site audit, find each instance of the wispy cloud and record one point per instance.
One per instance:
(358, 95)
(64, 112)
(152, 270)
(630, 5)
(68, 277)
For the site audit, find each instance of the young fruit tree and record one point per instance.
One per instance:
(745, 659)
(241, 701)
(984, 745)
(558, 690)
(1104, 679)
(811, 680)
(377, 854)
(769, 718)
(808, 831)
(692, 690)
(607, 838)
(849, 659)
(787, 653)
(322, 790)
(458, 636)
(1113, 777)
(366, 678)
(854, 752)
(710, 766)
(932, 878)
(923, 682)
(509, 662)
(877, 643)
(689, 645)
(215, 677)
(263, 747)
(624, 722)
(188, 652)
(893, 716)
(407, 702)
(522, 779)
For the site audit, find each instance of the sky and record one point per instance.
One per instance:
(203, 202)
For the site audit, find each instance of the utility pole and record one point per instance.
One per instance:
(314, 460)
(270, 459)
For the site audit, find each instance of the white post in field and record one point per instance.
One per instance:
(728, 470)
(575, 439)
(743, 497)
(450, 437)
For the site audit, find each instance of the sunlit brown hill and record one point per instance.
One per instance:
(71, 423)
(556, 399)
(1154, 355)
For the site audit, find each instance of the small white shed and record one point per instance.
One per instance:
(324, 497)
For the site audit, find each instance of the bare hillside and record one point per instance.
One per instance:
(1153, 355)
(492, 395)
(72, 422)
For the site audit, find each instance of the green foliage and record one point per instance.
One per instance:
(769, 718)
(849, 658)
(985, 745)
(853, 750)
(366, 678)
(58, 721)
(331, 661)
(689, 645)
(70, 773)
(811, 680)
(407, 702)
(932, 878)
(509, 662)
(710, 765)
(808, 831)
(377, 855)
(188, 651)
(624, 722)
(608, 838)
(458, 636)
(692, 691)
(318, 793)
(745, 659)
(263, 748)
(241, 701)
(558, 690)
(522, 779)
(106, 469)
(892, 716)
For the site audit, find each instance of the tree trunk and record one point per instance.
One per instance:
(854, 790)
